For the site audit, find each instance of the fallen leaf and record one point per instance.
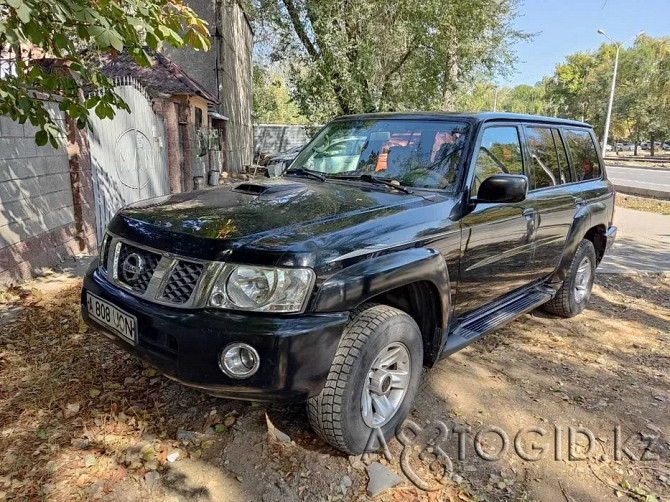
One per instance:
(149, 372)
(94, 392)
(71, 410)
(90, 460)
(162, 454)
(147, 453)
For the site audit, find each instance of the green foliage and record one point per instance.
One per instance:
(34, 33)
(579, 89)
(523, 98)
(643, 92)
(384, 55)
(272, 103)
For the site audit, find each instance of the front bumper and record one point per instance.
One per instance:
(295, 352)
(610, 237)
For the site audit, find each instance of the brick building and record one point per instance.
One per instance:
(226, 72)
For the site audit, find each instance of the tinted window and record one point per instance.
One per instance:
(499, 153)
(566, 175)
(417, 153)
(583, 153)
(542, 150)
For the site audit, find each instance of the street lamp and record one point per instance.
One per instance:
(618, 46)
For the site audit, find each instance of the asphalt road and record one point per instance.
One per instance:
(641, 180)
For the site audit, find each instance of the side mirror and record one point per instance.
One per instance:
(503, 188)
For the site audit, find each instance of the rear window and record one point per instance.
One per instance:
(583, 153)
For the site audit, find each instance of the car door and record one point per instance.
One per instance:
(497, 239)
(550, 194)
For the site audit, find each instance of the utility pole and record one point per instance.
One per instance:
(618, 46)
(495, 99)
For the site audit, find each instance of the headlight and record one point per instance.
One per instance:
(262, 289)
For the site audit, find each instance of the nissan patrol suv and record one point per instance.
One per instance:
(392, 241)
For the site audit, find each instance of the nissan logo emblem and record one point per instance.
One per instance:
(132, 267)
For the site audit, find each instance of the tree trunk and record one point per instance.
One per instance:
(637, 140)
(651, 144)
(450, 79)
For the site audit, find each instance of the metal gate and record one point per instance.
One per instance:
(128, 155)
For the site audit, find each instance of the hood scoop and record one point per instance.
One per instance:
(258, 189)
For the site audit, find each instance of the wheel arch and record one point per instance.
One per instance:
(415, 281)
(590, 223)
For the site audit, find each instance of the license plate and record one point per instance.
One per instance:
(118, 321)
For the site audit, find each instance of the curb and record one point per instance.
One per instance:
(643, 192)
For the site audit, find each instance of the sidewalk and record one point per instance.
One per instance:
(642, 244)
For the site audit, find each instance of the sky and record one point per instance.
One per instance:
(567, 26)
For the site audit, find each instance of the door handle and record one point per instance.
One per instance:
(578, 201)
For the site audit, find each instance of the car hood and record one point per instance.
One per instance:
(304, 217)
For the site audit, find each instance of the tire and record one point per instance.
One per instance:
(573, 296)
(336, 414)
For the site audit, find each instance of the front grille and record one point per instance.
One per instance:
(136, 266)
(104, 252)
(182, 281)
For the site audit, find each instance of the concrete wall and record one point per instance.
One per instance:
(225, 70)
(276, 138)
(37, 208)
(236, 85)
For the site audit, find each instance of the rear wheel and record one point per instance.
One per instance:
(373, 380)
(573, 296)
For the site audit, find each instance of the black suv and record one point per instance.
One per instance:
(392, 241)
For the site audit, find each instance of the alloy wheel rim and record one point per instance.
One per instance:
(386, 384)
(582, 280)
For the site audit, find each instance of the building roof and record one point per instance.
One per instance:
(476, 116)
(163, 77)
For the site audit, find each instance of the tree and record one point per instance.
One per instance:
(643, 94)
(49, 48)
(272, 103)
(384, 55)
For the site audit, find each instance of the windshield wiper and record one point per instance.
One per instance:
(376, 179)
(306, 172)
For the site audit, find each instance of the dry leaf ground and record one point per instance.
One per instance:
(82, 420)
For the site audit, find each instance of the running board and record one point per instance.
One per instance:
(473, 329)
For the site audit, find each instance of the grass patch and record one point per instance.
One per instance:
(647, 204)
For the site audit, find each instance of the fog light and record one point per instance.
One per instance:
(239, 360)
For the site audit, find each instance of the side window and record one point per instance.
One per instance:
(563, 165)
(499, 153)
(542, 149)
(583, 153)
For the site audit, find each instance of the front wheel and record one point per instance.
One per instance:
(573, 296)
(372, 381)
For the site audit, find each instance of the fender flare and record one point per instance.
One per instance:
(356, 284)
(587, 217)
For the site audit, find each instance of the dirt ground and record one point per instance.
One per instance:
(81, 420)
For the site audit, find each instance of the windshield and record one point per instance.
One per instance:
(415, 153)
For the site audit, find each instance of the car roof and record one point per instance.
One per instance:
(470, 116)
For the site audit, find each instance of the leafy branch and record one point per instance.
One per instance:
(50, 50)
